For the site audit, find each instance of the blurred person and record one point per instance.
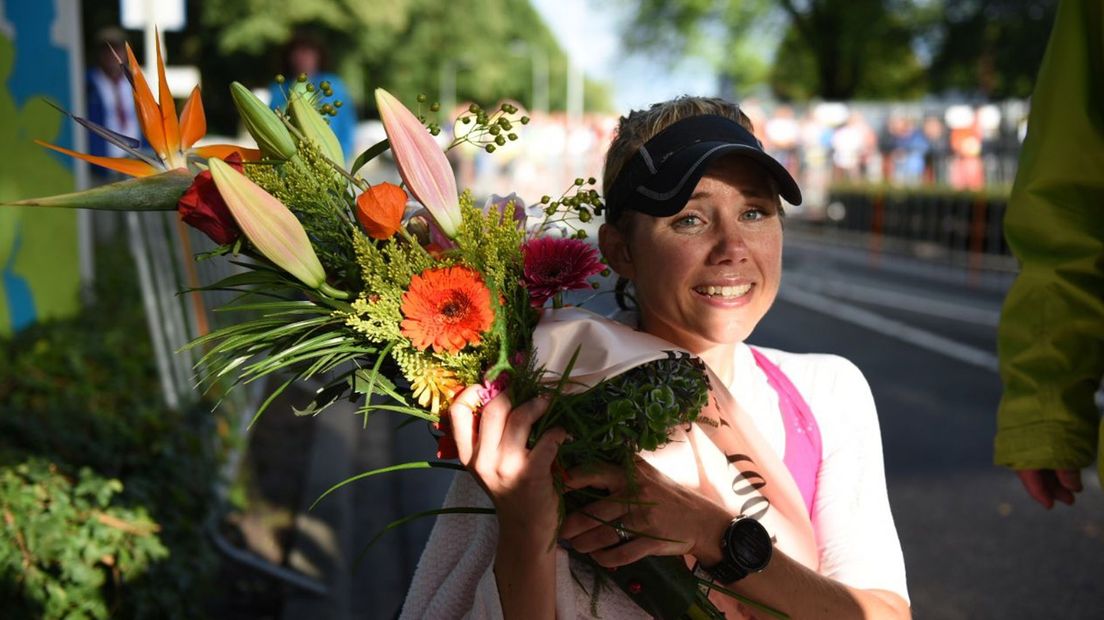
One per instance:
(966, 171)
(887, 143)
(694, 221)
(110, 101)
(935, 159)
(816, 167)
(852, 145)
(1051, 334)
(306, 55)
(909, 149)
(783, 132)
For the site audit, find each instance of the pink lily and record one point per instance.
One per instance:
(422, 164)
(271, 227)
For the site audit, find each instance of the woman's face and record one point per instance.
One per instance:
(708, 274)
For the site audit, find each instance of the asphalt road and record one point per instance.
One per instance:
(975, 546)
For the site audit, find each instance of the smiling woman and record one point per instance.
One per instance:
(714, 267)
(694, 222)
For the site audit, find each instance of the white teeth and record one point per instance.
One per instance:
(724, 291)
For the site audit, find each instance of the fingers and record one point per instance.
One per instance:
(1047, 486)
(608, 477)
(593, 516)
(520, 422)
(544, 452)
(1035, 485)
(596, 539)
(620, 555)
(492, 420)
(1070, 479)
(462, 415)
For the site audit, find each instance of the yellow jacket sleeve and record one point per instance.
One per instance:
(1051, 335)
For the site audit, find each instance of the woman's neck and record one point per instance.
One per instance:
(720, 359)
(718, 356)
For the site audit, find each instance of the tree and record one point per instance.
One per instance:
(401, 45)
(834, 53)
(405, 47)
(833, 49)
(843, 49)
(991, 48)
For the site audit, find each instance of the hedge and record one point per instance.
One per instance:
(108, 491)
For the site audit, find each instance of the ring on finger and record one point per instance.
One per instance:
(622, 533)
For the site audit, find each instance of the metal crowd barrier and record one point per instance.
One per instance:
(163, 249)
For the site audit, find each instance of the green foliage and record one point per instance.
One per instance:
(487, 243)
(845, 49)
(310, 187)
(491, 245)
(81, 393)
(992, 47)
(640, 408)
(879, 64)
(734, 37)
(67, 542)
(404, 46)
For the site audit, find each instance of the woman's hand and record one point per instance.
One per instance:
(492, 445)
(662, 518)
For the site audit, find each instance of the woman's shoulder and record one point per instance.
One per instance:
(835, 390)
(817, 371)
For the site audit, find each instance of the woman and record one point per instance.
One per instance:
(694, 223)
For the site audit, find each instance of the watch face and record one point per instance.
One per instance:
(750, 544)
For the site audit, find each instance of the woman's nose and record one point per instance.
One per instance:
(729, 246)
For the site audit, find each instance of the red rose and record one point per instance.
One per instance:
(203, 208)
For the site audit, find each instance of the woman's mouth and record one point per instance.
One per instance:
(723, 292)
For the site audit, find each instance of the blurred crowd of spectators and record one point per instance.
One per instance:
(956, 146)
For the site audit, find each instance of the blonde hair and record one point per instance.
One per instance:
(643, 125)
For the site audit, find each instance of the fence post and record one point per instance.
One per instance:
(977, 237)
(877, 223)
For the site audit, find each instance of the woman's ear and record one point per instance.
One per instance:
(615, 248)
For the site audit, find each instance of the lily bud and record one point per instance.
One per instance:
(268, 225)
(262, 123)
(314, 127)
(421, 162)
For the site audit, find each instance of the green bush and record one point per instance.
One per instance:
(83, 393)
(66, 543)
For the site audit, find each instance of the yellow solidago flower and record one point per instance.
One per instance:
(435, 388)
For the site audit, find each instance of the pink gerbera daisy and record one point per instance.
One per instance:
(554, 265)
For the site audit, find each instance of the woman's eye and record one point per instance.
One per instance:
(755, 213)
(687, 221)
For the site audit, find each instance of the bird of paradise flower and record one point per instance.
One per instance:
(171, 139)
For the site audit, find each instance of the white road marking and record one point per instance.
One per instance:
(892, 299)
(889, 327)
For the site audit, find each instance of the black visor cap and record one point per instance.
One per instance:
(662, 175)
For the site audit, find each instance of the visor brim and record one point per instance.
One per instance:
(668, 191)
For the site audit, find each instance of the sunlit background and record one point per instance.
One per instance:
(125, 493)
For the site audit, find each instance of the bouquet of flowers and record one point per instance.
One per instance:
(397, 296)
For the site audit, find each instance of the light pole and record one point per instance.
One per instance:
(539, 58)
(446, 82)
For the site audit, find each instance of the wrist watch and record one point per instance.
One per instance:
(746, 548)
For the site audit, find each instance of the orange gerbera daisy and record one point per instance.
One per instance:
(447, 308)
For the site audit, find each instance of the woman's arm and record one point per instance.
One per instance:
(802, 593)
(692, 524)
(519, 482)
